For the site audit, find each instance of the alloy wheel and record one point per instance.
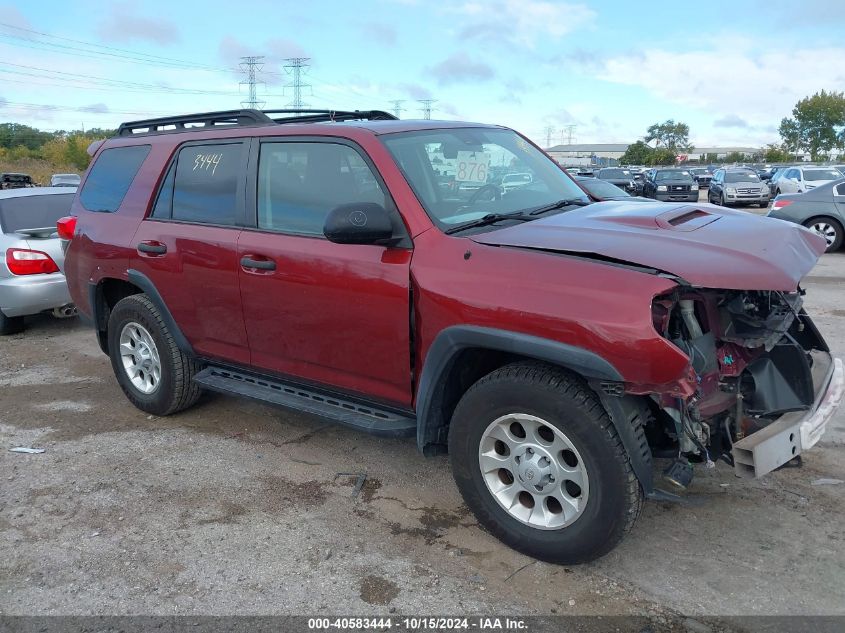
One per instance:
(140, 358)
(826, 230)
(534, 471)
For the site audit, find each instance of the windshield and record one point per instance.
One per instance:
(602, 189)
(698, 171)
(33, 212)
(741, 176)
(673, 175)
(614, 174)
(458, 174)
(821, 174)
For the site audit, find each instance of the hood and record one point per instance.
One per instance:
(705, 245)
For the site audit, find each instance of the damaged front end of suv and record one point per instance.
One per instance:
(761, 382)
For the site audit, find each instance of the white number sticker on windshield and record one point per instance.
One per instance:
(472, 167)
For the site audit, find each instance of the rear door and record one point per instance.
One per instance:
(839, 199)
(188, 246)
(333, 314)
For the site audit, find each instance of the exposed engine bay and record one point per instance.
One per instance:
(754, 357)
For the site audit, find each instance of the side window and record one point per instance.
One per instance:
(299, 183)
(840, 190)
(110, 177)
(163, 208)
(205, 184)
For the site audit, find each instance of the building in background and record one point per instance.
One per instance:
(608, 154)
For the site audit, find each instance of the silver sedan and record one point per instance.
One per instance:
(31, 280)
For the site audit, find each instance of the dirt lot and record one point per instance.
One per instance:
(235, 508)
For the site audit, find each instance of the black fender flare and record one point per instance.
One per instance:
(627, 413)
(143, 282)
(452, 340)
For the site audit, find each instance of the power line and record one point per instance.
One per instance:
(426, 107)
(548, 131)
(397, 107)
(250, 65)
(294, 67)
(568, 130)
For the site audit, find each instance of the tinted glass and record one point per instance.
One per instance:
(616, 174)
(840, 190)
(300, 183)
(206, 183)
(475, 160)
(164, 204)
(822, 174)
(33, 212)
(741, 176)
(601, 189)
(111, 176)
(673, 175)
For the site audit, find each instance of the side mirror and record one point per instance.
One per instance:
(358, 223)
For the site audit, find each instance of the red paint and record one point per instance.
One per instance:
(342, 315)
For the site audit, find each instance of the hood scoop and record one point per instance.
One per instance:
(685, 219)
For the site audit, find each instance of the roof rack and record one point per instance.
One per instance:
(246, 117)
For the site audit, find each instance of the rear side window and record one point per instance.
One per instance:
(33, 212)
(205, 184)
(110, 177)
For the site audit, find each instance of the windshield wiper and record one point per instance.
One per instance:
(560, 204)
(490, 218)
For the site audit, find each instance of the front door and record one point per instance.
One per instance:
(188, 247)
(333, 314)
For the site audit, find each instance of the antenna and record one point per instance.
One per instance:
(295, 67)
(250, 65)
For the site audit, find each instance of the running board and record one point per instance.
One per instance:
(369, 418)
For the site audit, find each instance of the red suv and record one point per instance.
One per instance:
(553, 345)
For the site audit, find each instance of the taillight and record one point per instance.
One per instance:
(66, 227)
(22, 261)
(780, 204)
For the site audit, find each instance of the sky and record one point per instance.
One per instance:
(730, 70)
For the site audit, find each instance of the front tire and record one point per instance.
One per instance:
(538, 461)
(156, 376)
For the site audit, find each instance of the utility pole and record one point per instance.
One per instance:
(250, 66)
(397, 107)
(426, 107)
(295, 67)
(548, 131)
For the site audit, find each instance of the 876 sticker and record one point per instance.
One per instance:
(472, 166)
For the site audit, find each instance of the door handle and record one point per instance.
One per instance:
(262, 264)
(153, 248)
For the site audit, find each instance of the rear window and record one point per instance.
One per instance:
(111, 176)
(33, 212)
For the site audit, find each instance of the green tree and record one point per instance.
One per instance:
(18, 135)
(671, 135)
(817, 124)
(735, 157)
(663, 156)
(774, 154)
(637, 154)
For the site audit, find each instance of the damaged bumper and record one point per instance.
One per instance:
(795, 432)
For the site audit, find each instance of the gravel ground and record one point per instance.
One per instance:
(236, 508)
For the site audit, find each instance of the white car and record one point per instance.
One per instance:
(512, 181)
(801, 179)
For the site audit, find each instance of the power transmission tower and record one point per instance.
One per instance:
(295, 67)
(426, 107)
(568, 130)
(250, 66)
(548, 131)
(397, 107)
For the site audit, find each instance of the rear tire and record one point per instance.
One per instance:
(153, 372)
(568, 438)
(829, 229)
(11, 325)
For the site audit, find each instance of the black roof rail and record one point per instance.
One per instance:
(238, 118)
(182, 122)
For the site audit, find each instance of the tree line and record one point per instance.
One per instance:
(62, 147)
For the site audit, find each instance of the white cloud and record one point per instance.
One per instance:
(522, 22)
(757, 88)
